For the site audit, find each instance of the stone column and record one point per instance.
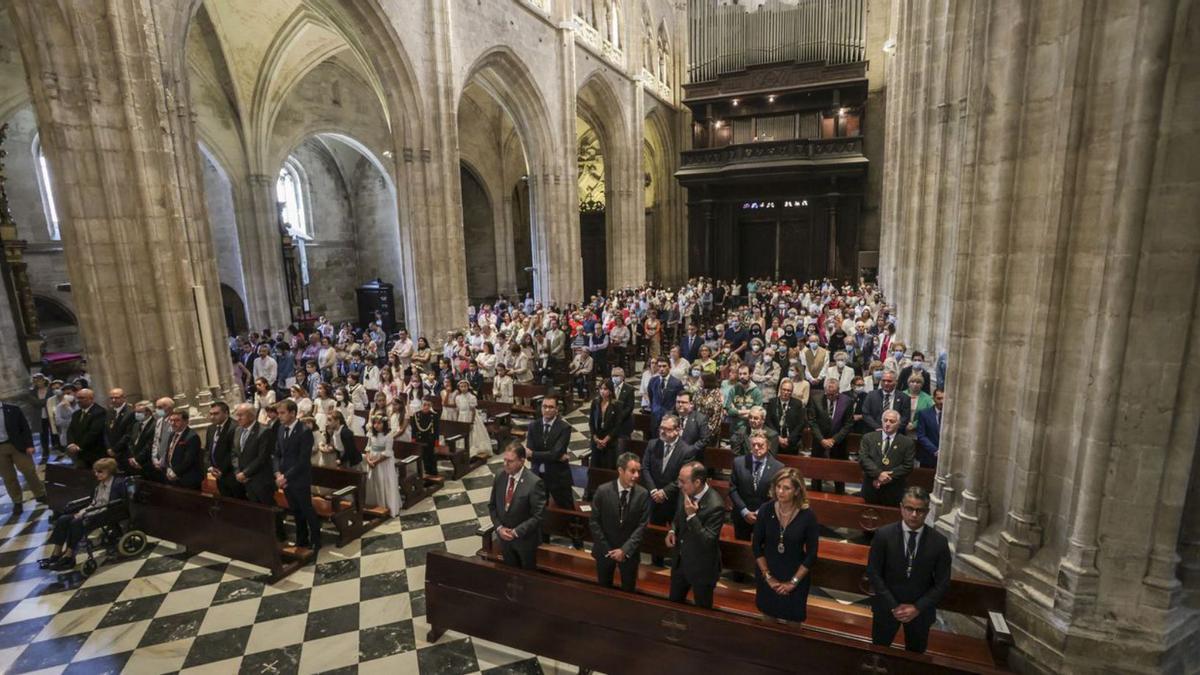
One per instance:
(262, 256)
(1048, 149)
(116, 125)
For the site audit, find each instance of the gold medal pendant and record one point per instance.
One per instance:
(886, 461)
(781, 548)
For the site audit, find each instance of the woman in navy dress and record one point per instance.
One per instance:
(785, 548)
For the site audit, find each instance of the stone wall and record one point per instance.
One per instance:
(1039, 223)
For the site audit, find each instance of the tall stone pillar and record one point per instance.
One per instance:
(1048, 150)
(262, 257)
(116, 124)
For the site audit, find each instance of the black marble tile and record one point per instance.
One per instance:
(162, 563)
(464, 528)
(237, 590)
(379, 585)
(336, 570)
(36, 525)
(128, 611)
(415, 556)
(476, 482)
(481, 509)
(530, 666)
(344, 670)
(213, 647)
(282, 605)
(48, 653)
(24, 572)
(171, 628)
(92, 596)
(386, 640)
(579, 444)
(417, 600)
(276, 662)
(199, 576)
(456, 657)
(12, 558)
(109, 664)
(441, 501)
(333, 621)
(413, 521)
(22, 632)
(6, 607)
(382, 544)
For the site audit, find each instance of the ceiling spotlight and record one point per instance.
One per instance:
(771, 98)
(736, 102)
(718, 124)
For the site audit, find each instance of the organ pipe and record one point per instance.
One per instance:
(726, 38)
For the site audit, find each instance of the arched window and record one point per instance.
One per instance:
(47, 190)
(292, 191)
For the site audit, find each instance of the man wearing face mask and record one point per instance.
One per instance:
(140, 441)
(815, 359)
(917, 366)
(627, 399)
(163, 408)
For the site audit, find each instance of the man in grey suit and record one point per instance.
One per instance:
(620, 511)
(750, 487)
(661, 462)
(695, 536)
(253, 461)
(518, 500)
(886, 458)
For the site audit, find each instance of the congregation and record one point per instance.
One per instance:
(755, 367)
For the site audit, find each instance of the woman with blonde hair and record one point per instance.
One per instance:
(785, 544)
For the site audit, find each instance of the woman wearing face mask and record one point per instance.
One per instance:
(63, 411)
(51, 404)
(766, 374)
(752, 356)
(345, 406)
(897, 361)
(841, 371)
(858, 394)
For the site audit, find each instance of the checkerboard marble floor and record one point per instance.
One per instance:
(361, 608)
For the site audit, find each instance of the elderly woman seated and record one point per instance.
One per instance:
(83, 515)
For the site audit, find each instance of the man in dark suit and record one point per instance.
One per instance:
(788, 417)
(85, 435)
(909, 569)
(252, 459)
(830, 417)
(695, 424)
(886, 458)
(885, 398)
(662, 390)
(184, 465)
(695, 537)
(627, 397)
(661, 463)
(750, 486)
(620, 511)
(117, 425)
(929, 431)
(218, 451)
(917, 366)
(139, 442)
(546, 439)
(16, 450)
(293, 474)
(689, 344)
(756, 421)
(516, 506)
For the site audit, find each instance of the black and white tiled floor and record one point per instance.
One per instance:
(361, 608)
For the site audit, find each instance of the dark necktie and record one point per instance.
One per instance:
(212, 453)
(508, 494)
(832, 408)
(910, 551)
(758, 465)
(939, 419)
(887, 446)
(887, 401)
(624, 506)
(667, 455)
(783, 412)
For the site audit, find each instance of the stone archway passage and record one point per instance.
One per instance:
(479, 237)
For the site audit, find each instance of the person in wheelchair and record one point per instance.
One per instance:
(84, 515)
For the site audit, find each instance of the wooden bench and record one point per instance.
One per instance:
(413, 486)
(64, 484)
(841, 470)
(345, 505)
(498, 421)
(566, 616)
(234, 528)
(456, 448)
(527, 399)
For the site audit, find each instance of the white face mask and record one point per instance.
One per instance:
(69, 398)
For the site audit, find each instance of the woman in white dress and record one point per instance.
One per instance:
(383, 486)
(467, 406)
(264, 397)
(502, 386)
(397, 418)
(487, 361)
(380, 407)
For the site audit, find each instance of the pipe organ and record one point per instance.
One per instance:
(725, 38)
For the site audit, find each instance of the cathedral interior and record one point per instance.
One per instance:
(1014, 184)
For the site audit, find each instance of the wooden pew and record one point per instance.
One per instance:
(457, 448)
(527, 399)
(498, 421)
(413, 487)
(344, 506)
(64, 484)
(841, 470)
(579, 622)
(235, 528)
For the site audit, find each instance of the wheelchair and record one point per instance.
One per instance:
(108, 532)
